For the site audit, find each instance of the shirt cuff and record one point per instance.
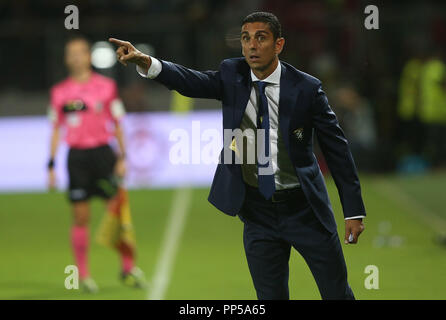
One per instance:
(154, 70)
(355, 217)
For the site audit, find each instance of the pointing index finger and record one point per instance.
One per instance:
(117, 41)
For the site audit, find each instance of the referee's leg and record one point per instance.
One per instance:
(79, 193)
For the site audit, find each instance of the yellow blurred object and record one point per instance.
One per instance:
(433, 95)
(422, 92)
(409, 89)
(180, 103)
(116, 227)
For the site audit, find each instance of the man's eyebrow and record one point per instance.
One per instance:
(258, 31)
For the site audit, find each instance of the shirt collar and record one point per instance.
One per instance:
(273, 78)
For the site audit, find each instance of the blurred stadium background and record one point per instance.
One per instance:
(387, 86)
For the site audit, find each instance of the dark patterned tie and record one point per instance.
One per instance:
(266, 179)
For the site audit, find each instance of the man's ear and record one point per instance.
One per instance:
(280, 42)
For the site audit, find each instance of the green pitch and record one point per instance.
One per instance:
(406, 216)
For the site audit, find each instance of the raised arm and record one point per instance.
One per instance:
(188, 82)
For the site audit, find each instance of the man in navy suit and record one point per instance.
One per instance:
(281, 196)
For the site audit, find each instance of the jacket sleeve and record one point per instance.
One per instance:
(337, 153)
(189, 82)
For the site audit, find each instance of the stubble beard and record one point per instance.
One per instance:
(266, 66)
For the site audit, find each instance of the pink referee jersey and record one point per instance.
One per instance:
(88, 110)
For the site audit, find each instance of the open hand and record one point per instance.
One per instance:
(120, 168)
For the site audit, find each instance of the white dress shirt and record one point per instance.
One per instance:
(284, 172)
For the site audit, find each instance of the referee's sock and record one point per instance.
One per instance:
(127, 256)
(79, 242)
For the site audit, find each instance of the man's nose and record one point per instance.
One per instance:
(252, 44)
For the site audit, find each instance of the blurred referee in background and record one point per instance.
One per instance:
(87, 105)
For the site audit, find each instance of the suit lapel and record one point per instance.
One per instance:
(242, 93)
(289, 91)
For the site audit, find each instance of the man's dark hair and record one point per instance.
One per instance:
(77, 37)
(267, 18)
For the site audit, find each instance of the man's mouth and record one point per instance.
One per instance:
(254, 57)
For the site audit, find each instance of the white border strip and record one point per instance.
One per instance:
(177, 219)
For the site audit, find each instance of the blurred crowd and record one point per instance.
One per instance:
(421, 138)
(387, 86)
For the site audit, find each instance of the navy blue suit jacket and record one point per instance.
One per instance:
(303, 105)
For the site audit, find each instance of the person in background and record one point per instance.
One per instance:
(87, 106)
(422, 109)
(357, 120)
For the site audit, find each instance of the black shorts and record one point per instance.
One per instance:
(91, 172)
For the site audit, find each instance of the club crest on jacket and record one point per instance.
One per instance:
(299, 133)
